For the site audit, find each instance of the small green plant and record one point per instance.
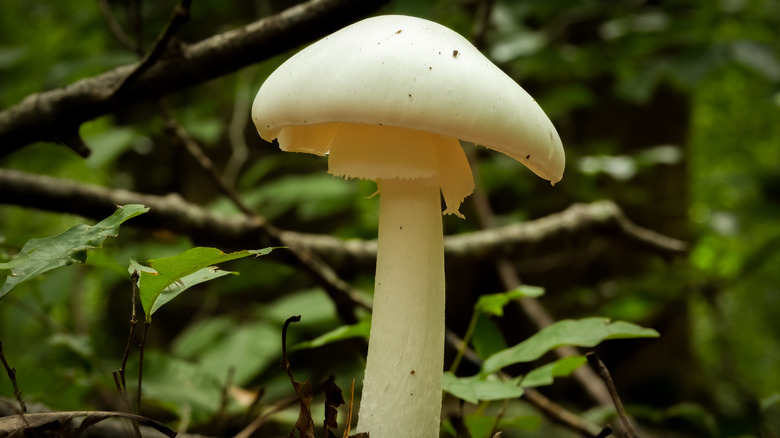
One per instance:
(155, 283)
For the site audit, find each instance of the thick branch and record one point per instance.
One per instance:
(57, 114)
(207, 228)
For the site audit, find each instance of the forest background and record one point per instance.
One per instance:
(667, 216)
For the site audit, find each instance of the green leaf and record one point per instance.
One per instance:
(201, 335)
(312, 196)
(248, 349)
(181, 385)
(220, 343)
(480, 425)
(474, 389)
(359, 330)
(770, 401)
(314, 306)
(42, 255)
(586, 332)
(201, 276)
(487, 338)
(170, 276)
(523, 422)
(544, 375)
(494, 304)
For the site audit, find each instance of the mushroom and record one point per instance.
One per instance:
(386, 99)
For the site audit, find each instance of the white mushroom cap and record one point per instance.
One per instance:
(390, 87)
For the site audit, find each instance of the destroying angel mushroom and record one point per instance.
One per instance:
(386, 99)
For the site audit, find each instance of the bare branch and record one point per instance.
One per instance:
(57, 114)
(205, 227)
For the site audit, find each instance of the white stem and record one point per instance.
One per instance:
(402, 384)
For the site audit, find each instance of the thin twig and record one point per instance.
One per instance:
(122, 394)
(133, 323)
(120, 374)
(180, 15)
(560, 415)
(224, 397)
(282, 404)
(12, 375)
(180, 136)
(236, 128)
(343, 295)
(141, 364)
(481, 23)
(135, 16)
(16, 410)
(461, 349)
(531, 307)
(456, 420)
(116, 28)
(253, 407)
(499, 416)
(603, 372)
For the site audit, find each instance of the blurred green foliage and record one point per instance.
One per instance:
(672, 108)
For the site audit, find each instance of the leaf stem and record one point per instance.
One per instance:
(141, 365)
(133, 322)
(465, 342)
(603, 372)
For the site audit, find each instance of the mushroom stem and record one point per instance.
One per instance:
(402, 383)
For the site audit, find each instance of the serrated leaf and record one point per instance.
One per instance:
(545, 374)
(359, 330)
(587, 332)
(474, 389)
(170, 276)
(494, 304)
(42, 255)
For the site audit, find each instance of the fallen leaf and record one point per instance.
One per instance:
(333, 399)
(22, 426)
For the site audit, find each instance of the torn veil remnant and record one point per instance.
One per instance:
(349, 96)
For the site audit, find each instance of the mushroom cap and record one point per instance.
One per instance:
(404, 72)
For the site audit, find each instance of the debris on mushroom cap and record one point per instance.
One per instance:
(404, 72)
